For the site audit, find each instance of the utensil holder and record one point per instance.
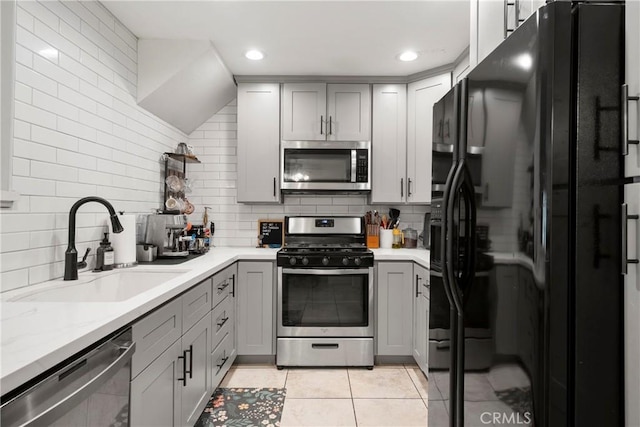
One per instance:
(386, 238)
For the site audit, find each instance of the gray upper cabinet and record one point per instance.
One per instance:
(395, 309)
(326, 112)
(389, 143)
(255, 317)
(493, 21)
(258, 142)
(420, 99)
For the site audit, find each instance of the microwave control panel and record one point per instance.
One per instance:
(362, 165)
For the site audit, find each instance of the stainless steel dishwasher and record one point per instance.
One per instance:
(90, 390)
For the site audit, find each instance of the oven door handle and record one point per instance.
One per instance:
(325, 272)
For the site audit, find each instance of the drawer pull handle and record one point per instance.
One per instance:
(325, 346)
(624, 116)
(190, 371)
(626, 217)
(184, 368)
(220, 324)
(223, 287)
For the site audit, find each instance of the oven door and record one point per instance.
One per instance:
(317, 165)
(325, 302)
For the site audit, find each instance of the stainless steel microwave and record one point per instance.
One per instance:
(341, 166)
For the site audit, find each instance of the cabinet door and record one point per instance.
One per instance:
(632, 76)
(349, 111)
(258, 142)
(632, 310)
(420, 277)
(421, 96)
(156, 392)
(389, 143)
(395, 309)
(489, 27)
(196, 346)
(304, 111)
(255, 317)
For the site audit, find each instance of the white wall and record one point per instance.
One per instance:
(78, 132)
(236, 224)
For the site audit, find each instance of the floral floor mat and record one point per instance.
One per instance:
(234, 407)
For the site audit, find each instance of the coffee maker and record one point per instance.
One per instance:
(167, 233)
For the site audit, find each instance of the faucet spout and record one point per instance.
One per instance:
(71, 254)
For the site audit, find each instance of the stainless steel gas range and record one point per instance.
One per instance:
(325, 293)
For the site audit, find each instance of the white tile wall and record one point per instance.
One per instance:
(236, 224)
(78, 132)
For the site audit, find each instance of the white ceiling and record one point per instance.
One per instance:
(331, 38)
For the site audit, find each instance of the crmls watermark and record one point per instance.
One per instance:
(504, 418)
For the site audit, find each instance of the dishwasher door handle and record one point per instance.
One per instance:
(58, 409)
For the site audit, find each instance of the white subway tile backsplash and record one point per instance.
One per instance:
(75, 67)
(34, 186)
(63, 13)
(77, 129)
(94, 35)
(23, 93)
(55, 72)
(111, 167)
(105, 18)
(53, 171)
(24, 56)
(36, 80)
(73, 34)
(37, 10)
(53, 138)
(21, 167)
(24, 19)
(74, 189)
(14, 279)
(75, 159)
(55, 105)
(58, 41)
(34, 115)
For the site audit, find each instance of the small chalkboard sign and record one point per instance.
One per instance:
(272, 232)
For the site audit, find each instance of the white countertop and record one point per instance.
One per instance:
(38, 335)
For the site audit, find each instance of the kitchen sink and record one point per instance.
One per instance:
(100, 287)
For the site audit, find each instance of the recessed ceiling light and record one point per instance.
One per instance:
(254, 54)
(408, 56)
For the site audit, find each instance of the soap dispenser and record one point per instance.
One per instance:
(105, 256)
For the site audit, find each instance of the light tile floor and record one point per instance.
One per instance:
(388, 395)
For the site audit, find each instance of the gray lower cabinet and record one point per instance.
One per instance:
(174, 371)
(156, 396)
(255, 317)
(196, 386)
(421, 317)
(394, 329)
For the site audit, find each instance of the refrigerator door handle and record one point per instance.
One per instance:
(470, 230)
(444, 240)
(624, 116)
(625, 235)
(450, 257)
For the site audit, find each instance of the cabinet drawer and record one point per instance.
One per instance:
(195, 304)
(221, 360)
(222, 321)
(221, 287)
(155, 333)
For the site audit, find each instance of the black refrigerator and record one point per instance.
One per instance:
(526, 322)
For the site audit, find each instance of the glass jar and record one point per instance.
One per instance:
(398, 239)
(410, 238)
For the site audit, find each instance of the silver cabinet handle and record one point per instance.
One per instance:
(507, 30)
(624, 117)
(625, 218)
(408, 187)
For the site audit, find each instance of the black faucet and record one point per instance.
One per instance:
(71, 254)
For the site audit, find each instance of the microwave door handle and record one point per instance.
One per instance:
(354, 164)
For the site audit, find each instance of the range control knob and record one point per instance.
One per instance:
(325, 261)
(292, 261)
(357, 261)
(305, 261)
(345, 261)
